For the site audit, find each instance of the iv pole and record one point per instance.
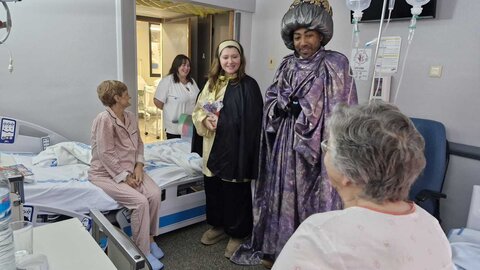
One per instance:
(378, 43)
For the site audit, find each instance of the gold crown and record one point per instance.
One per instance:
(321, 3)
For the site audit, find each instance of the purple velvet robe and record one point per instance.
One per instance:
(292, 182)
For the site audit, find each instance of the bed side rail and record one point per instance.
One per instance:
(22, 136)
(121, 250)
(31, 212)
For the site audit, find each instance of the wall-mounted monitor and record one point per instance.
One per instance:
(401, 11)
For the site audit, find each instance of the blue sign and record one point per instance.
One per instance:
(7, 134)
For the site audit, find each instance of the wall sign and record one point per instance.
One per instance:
(7, 135)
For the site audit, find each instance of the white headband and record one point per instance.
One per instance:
(228, 43)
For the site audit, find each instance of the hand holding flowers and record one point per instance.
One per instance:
(212, 109)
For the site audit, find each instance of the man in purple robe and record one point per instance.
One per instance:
(292, 182)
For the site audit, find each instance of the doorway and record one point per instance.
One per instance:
(163, 34)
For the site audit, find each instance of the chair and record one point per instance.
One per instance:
(427, 190)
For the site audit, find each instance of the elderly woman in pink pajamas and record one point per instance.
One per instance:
(117, 167)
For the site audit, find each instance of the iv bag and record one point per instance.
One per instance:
(417, 3)
(357, 6)
(417, 6)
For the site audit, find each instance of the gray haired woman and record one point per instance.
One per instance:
(373, 156)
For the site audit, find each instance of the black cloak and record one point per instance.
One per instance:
(235, 151)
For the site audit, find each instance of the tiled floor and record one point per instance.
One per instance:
(150, 125)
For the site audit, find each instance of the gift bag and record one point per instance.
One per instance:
(185, 126)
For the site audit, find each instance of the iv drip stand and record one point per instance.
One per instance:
(379, 38)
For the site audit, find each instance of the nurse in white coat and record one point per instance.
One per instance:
(176, 94)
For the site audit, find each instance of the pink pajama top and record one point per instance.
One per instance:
(116, 147)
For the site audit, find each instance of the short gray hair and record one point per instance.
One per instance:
(378, 148)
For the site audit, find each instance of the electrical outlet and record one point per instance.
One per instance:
(435, 71)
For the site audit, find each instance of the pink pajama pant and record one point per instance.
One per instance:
(144, 201)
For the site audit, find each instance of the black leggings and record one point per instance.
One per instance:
(229, 205)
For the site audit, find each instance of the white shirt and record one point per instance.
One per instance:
(177, 99)
(360, 238)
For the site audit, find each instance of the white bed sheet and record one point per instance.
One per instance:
(171, 160)
(67, 187)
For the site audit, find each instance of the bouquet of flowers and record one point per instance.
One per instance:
(212, 109)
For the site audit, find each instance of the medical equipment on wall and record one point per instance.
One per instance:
(8, 25)
(416, 10)
(357, 6)
(391, 5)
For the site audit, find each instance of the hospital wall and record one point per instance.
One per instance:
(451, 40)
(62, 50)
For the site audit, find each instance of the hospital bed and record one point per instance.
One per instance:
(59, 185)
